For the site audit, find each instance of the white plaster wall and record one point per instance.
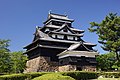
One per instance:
(60, 36)
(46, 29)
(75, 38)
(70, 37)
(53, 35)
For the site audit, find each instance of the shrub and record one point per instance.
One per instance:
(80, 75)
(53, 76)
(27, 76)
(35, 74)
(13, 77)
(2, 74)
(110, 74)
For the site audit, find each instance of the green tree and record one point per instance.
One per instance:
(4, 44)
(108, 32)
(4, 56)
(11, 62)
(18, 61)
(106, 61)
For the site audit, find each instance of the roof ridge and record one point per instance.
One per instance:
(86, 47)
(57, 14)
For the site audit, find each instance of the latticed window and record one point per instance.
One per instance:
(65, 37)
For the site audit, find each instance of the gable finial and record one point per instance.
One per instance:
(50, 11)
(65, 14)
(36, 27)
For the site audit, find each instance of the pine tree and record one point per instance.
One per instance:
(108, 32)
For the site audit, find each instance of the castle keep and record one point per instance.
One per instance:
(57, 46)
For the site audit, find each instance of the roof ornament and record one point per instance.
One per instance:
(50, 11)
(36, 27)
(65, 14)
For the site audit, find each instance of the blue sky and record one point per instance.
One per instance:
(18, 18)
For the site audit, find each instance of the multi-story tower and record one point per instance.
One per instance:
(57, 46)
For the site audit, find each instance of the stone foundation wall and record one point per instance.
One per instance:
(74, 68)
(67, 68)
(89, 68)
(40, 64)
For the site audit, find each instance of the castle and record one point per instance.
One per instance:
(57, 46)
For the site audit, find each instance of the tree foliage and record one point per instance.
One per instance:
(4, 61)
(11, 62)
(18, 61)
(4, 44)
(108, 32)
(106, 61)
(4, 56)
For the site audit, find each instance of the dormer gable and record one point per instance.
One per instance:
(39, 34)
(64, 28)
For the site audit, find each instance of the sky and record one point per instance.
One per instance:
(18, 18)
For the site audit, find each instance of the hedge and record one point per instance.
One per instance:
(35, 74)
(13, 77)
(53, 76)
(2, 74)
(27, 76)
(78, 75)
(110, 74)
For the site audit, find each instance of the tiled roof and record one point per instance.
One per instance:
(77, 54)
(57, 31)
(88, 43)
(74, 46)
(66, 41)
(47, 38)
(62, 27)
(54, 26)
(45, 46)
(44, 36)
(58, 16)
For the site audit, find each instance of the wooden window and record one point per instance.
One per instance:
(65, 37)
(56, 36)
(61, 62)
